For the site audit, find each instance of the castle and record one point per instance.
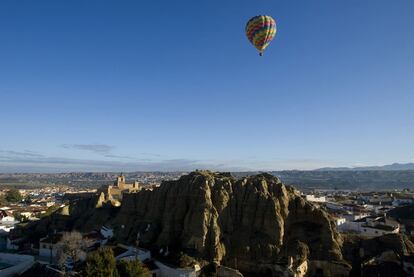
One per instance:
(115, 191)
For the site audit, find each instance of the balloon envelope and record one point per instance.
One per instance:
(260, 31)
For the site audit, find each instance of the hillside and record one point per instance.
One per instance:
(362, 180)
(394, 166)
(255, 223)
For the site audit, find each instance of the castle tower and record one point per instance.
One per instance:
(120, 181)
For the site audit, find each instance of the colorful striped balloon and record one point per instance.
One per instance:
(260, 31)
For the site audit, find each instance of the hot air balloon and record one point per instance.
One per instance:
(260, 31)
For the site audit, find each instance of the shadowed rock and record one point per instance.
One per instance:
(247, 222)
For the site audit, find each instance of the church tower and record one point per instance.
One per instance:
(120, 181)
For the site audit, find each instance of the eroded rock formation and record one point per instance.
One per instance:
(253, 223)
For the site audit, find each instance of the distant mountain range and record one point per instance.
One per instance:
(393, 167)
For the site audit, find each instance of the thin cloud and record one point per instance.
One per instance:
(25, 153)
(28, 161)
(59, 164)
(118, 156)
(96, 148)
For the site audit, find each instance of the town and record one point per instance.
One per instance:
(365, 214)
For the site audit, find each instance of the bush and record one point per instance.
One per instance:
(132, 269)
(13, 196)
(101, 263)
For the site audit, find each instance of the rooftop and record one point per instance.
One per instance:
(118, 250)
(52, 239)
(381, 227)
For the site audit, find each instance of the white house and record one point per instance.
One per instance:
(7, 223)
(350, 216)
(157, 268)
(334, 206)
(129, 253)
(107, 232)
(169, 271)
(370, 227)
(6, 217)
(339, 221)
(316, 199)
(49, 246)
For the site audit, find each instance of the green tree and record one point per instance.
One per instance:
(13, 196)
(18, 216)
(132, 269)
(28, 199)
(3, 200)
(101, 263)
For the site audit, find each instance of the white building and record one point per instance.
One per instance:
(107, 232)
(370, 227)
(129, 253)
(334, 206)
(355, 216)
(49, 246)
(157, 268)
(169, 271)
(7, 220)
(339, 221)
(316, 199)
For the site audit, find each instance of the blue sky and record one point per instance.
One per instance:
(175, 85)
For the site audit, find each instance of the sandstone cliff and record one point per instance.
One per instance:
(253, 223)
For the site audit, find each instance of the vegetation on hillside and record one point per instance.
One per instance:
(13, 196)
(102, 263)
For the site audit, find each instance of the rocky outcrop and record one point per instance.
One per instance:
(374, 255)
(252, 223)
(356, 246)
(81, 214)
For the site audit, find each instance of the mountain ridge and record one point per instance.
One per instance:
(387, 167)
